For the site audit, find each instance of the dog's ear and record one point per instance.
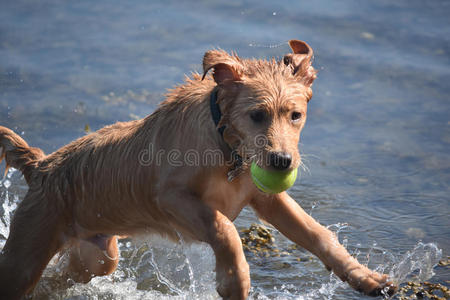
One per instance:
(301, 61)
(226, 67)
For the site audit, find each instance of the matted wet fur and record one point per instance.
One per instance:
(168, 173)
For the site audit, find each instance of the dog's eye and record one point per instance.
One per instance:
(286, 60)
(296, 116)
(258, 116)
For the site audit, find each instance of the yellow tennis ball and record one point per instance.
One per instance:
(272, 182)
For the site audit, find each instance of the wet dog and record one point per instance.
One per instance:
(183, 170)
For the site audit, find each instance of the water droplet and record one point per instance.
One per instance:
(7, 183)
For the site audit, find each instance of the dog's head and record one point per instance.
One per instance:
(263, 103)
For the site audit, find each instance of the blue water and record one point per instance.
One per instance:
(376, 143)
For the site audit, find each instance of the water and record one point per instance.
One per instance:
(376, 141)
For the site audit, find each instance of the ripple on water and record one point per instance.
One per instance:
(409, 210)
(380, 164)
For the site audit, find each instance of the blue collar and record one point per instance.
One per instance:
(215, 111)
(217, 115)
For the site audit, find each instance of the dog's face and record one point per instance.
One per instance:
(264, 103)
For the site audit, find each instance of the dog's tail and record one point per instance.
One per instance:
(17, 153)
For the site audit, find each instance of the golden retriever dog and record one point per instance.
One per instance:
(183, 170)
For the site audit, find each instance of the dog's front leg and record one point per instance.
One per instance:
(290, 219)
(209, 225)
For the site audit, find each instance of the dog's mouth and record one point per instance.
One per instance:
(266, 159)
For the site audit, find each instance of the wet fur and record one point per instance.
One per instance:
(100, 185)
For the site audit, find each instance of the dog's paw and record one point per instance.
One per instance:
(369, 282)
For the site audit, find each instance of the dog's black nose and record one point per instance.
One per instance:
(280, 160)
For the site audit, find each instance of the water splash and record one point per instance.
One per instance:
(417, 264)
(8, 203)
(164, 270)
(173, 289)
(8, 207)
